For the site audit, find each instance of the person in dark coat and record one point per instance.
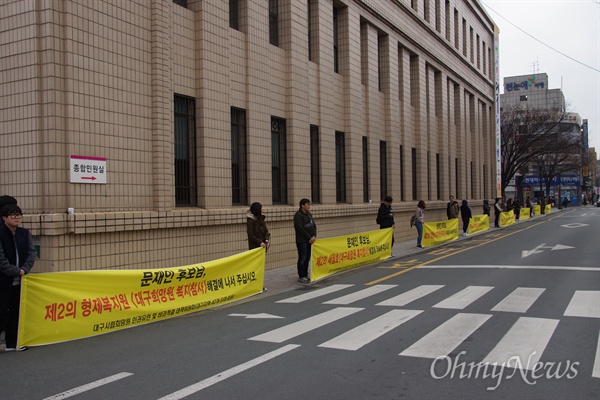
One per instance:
(17, 256)
(385, 215)
(486, 207)
(465, 213)
(258, 234)
(497, 211)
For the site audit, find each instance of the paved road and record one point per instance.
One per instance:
(426, 325)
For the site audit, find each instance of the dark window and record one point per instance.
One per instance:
(274, 22)
(239, 170)
(383, 169)
(438, 176)
(523, 98)
(336, 56)
(402, 173)
(365, 163)
(414, 80)
(185, 151)
(234, 14)
(315, 165)
(182, 3)
(340, 167)
(414, 173)
(278, 161)
(456, 180)
(313, 25)
(472, 173)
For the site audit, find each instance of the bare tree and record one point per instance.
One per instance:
(527, 133)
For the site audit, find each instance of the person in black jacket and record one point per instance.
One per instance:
(17, 256)
(306, 234)
(465, 213)
(258, 234)
(385, 215)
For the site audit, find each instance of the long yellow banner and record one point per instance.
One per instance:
(524, 213)
(439, 232)
(342, 253)
(61, 306)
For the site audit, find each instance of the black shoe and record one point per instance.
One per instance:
(304, 280)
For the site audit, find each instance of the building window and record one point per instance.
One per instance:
(182, 3)
(340, 167)
(234, 14)
(414, 80)
(438, 176)
(365, 164)
(239, 169)
(426, 10)
(447, 14)
(523, 98)
(313, 26)
(414, 174)
(383, 169)
(336, 44)
(456, 41)
(274, 22)
(315, 165)
(278, 161)
(456, 179)
(402, 198)
(185, 151)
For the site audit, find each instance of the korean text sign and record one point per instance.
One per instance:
(61, 306)
(342, 253)
(507, 218)
(439, 232)
(479, 223)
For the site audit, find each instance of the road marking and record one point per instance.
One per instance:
(298, 328)
(526, 339)
(89, 386)
(519, 300)
(314, 294)
(584, 303)
(446, 337)
(361, 294)
(410, 296)
(548, 267)
(196, 387)
(256, 316)
(463, 298)
(574, 225)
(596, 370)
(364, 334)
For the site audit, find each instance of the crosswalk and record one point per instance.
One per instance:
(523, 344)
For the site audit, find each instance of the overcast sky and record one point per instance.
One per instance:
(570, 27)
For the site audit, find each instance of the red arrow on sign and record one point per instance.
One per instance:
(93, 178)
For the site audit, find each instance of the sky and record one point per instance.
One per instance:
(560, 38)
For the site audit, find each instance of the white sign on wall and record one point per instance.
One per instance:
(85, 169)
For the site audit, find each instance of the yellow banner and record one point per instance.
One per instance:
(61, 306)
(479, 223)
(342, 253)
(548, 208)
(439, 232)
(524, 213)
(507, 218)
(537, 209)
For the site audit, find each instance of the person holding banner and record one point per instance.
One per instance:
(497, 211)
(17, 256)
(385, 215)
(306, 234)
(258, 234)
(466, 214)
(420, 214)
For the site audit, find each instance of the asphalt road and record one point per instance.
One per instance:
(450, 322)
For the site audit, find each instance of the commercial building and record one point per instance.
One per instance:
(135, 134)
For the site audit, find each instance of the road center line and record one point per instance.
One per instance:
(89, 386)
(196, 387)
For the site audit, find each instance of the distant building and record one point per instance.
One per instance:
(532, 92)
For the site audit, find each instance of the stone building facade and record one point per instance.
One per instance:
(189, 111)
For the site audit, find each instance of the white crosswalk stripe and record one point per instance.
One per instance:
(526, 339)
(596, 370)
(360, 295)
(315, 294)
(410, 296)
(446, 337)
(463, 298)
(519, 300)
(584, 303)
(300, 327)
(364, 334)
